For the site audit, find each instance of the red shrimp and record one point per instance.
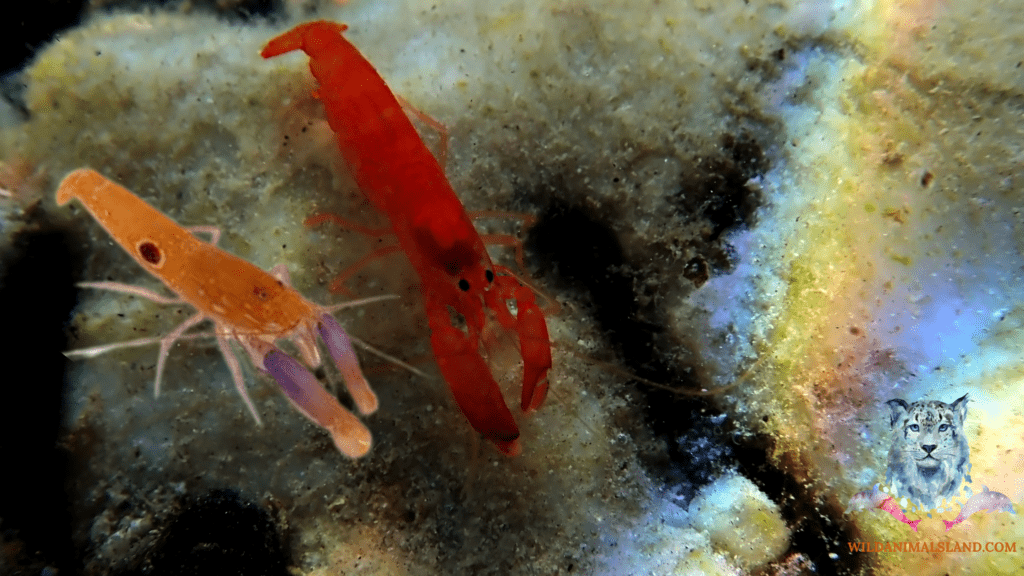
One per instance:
(402, 178)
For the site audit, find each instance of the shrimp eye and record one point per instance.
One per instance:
(464, 285)
(150, 252)
(490, 276)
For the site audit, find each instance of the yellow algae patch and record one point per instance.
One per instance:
(348, 550)
(752, 532)
(980, 41)
(908, 207)
(836, 269)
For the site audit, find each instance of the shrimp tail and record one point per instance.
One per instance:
(350, 436)
(476, 393)
(312, 38)
(340, 348)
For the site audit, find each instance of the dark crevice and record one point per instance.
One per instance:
(715, 190)
(36, 298)
(818, 530)
(30, 25)
(582, 253)
(218, 534)
(575, 247)
(232, 10)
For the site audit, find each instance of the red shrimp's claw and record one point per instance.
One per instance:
(469, 378)
(535, 349)
(310, 37)
(532, 330)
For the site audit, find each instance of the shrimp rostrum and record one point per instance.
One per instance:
(246, 305)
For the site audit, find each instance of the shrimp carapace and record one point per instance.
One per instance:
(246, 305)
(400, 176)
(388, 159)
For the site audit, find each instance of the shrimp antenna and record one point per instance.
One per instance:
(388, 357)
(94, 351)
(614, 369)
(359, 302)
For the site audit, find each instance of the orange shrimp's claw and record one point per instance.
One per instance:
(469, 378)
(311, 38)
(339, 346)
(350, 436)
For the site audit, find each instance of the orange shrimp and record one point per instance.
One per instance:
(400, 177)
(246, 305)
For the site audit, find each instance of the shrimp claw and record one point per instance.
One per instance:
(340, 348)
(535, 349)
(350, 436)
(469, 379)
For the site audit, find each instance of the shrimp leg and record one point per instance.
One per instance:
(532, 331)
(165, 348)
(236, 375)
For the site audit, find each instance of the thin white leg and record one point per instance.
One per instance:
(165, 347)
(236, 373)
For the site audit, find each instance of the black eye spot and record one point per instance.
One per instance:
(464, 285)
(489, 275)
(149, 252)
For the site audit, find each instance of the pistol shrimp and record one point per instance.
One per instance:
(247, 305)
(402, 178)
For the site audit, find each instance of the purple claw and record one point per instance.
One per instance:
(340, 348)
(351, 437)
